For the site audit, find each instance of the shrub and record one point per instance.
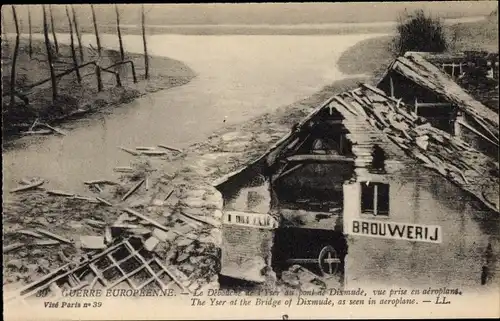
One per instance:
(418, 32)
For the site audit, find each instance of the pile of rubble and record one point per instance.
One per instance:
(164, 226)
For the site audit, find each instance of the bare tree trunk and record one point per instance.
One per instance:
(94, 19)
(99, 50)
(122, 53)
(4, 32)
(30, 36)
(53, 29)
(49, 54)
(73, 53)
(78, 36)
(14, 60)
(146, 56)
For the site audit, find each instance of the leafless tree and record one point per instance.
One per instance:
(73, 52)
(30, 49)
(4, 33)
(146, 56)
(14, 60)
(94, 19)
(53, 29)
(49, 54)
(78, 36)
(122, 53)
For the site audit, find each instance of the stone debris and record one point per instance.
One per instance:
(301, 278)
(151, 243)
(92, 242)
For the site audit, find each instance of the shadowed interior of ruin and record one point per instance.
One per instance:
(301, 243)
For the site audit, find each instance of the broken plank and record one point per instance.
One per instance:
(95, 223)
(46, 242)
(60, 132)
(153, 153)
(144, 148)
(123, 169)
(38, 132)
(34, 124)
(170, 148)
(98, 188)
(319, 158)
(12, 247)
(132, 190)
(200, 219)
(108, 237)
(169, 194)
(30, 233)
(84, 198)
(54, 236)
(60, 193)
(26, 187)
(102, 200)
(100, 181)
(129, 151)
(145, 218)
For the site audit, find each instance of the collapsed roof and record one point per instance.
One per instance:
(372, 117)
(416, 67)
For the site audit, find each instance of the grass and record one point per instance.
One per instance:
(77, 99)
(480, 35)
(373, 56)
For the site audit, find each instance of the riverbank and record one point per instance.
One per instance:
(184, 179)
(77, 100)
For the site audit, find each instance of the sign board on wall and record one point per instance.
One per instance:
(396, 230)
(250, 219)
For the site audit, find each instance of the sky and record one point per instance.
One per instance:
(256, 13)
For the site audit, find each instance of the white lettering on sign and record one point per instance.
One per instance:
(250, 219)
(393, 230)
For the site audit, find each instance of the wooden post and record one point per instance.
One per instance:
(30, 36)
(78, 36)
(94, 19)
(146, 56)
(416, 106)
(14, 60)
(122, 53)
(375, 199)
(53, 29)
(49, 54)
(72, 45)
(453, 70)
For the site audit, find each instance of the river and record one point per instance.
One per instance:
(239, 77)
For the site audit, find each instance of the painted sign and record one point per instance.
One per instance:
(250, 219)
(396, 230)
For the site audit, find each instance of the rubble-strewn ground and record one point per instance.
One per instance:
(178, 194)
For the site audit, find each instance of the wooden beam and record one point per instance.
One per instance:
(476, 131)
(319, 158)
(434, 104)
(392, 86)
(294, 168)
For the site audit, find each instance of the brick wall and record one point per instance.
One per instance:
(246, 251)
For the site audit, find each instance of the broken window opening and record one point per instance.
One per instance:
(439, 115)
(375, 198)
(314, 187)
(378, 158)
(329, 137)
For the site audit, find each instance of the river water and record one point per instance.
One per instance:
(239, 77)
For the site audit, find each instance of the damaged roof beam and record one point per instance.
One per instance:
(319, 158)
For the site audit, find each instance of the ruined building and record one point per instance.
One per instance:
(366, 191)
(450, 91)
